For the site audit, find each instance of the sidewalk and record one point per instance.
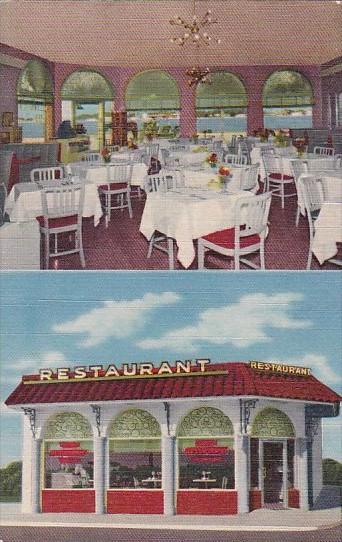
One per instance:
(259, 520)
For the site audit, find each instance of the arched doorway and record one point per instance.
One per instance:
(35, 99)
(153, 102)
(87, 100)
(272, 458)
(221, 107)
(287, 101)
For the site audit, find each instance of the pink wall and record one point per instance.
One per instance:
(331, 88)
(253, 78)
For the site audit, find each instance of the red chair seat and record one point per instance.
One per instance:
(113, 186)
(226, 238)
(60, 222)
(280, 177)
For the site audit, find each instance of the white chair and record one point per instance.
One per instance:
(44, 174)
(217, 145)
(92, 157)
(244, 150)
(313, 194)
(3, 197)
(249, 177)
(298, 168)
(338, 161)
(246, 237)
(324, 151)
(119, 186)
(235, 159)
(162, 182)
(276, 179)
(152, 150)
(62, 212)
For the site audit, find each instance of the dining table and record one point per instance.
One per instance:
(99, 174)
(328, 232)
(24, 202)
(329, 183)
(186, 214)
(205, 176)
(204, 481)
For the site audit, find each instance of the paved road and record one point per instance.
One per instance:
(62, 534)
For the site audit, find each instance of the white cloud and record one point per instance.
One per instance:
(241, 324)
(13, 371)
(4, 410)
(118, 319)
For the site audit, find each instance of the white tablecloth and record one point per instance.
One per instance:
(99, 174)
(24, 203)
(189, 158)
(20, 245)
(188, 214)
(203, 177)
(328, 231)
(314, 162)
(331, 185)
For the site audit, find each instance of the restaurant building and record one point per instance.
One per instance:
(191, 438)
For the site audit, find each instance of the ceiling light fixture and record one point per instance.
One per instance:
(194, 31)
(198, 75)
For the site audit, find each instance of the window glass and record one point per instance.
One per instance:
(68, 465)
(206, 463)
(135, 463)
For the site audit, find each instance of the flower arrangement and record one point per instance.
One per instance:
(281, 138)
(212, 159)
(131, 145)
(105, 153)
(300, 144)
(224, 171)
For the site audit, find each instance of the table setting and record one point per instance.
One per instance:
(99, 174)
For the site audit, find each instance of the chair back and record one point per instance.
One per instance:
(298, 168)
(162, 182)
(272, 163)
(152, 150)
(43, 174)
(120, 173)
(338, 161)
(3, 196)
(62, 201)
(249, 177)
(224, 482)
(312, 191)
(325, 151)
(235, 159)
(252, 214)
(165, 153)
(217, 145)
(136, 156)
(243, 150)
(174, 177)
(92, 157)
(180, 148)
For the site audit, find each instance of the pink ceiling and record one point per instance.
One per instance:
(137, 33)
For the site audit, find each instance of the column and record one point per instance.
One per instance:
(100, 125)
(26, 484)
(188, 110)
(302, 447)
(241, 472)
(168, 474)
(255, 110)
(99, 473)
(35, 475)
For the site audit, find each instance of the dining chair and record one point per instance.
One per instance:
(249, 177)
(62, 212)
(313, 195)
(235, 159)
(324, 151)
(163, 182)
(337, 161)
(3, 196)
(44, 174)
(276, 179)
(152, 150)
(119, 178)
(246, 237)
(244, 150)
(299, 167)
(92, 157)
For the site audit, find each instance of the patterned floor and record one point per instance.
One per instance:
(122, 246)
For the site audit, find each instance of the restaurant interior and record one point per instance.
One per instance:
(179, 134)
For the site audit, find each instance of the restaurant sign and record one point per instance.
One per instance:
(127, 370)
(280, 368)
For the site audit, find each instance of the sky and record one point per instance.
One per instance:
(83, 318)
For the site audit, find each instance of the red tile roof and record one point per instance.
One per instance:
(238, 379)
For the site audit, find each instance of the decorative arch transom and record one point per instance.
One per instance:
(68, 425)
(287, 88)
(134, 423)
(87, 85)
(35, 82)
(272, 422)
(152, 90)
(225, 91)
(203, 422)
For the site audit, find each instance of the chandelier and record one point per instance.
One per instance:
(198, 75)
(195, 30)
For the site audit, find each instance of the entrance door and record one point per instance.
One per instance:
(274, 463)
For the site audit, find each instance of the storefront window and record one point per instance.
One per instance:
(68, 463)
(206, 450)
(272, 422)
(135, 451)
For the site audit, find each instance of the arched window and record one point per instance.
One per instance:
(153, 102)
(272, 422)
(68, 452)
(35, 99)
(135, 451)
(287, 100)
(221, 105)
(206, 450)
(87, 100)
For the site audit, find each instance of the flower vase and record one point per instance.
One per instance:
(213, 165)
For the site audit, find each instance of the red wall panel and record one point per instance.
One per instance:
(254, 499)
(135, 502)
(61, 500)
(293, 497)
(207, 503)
